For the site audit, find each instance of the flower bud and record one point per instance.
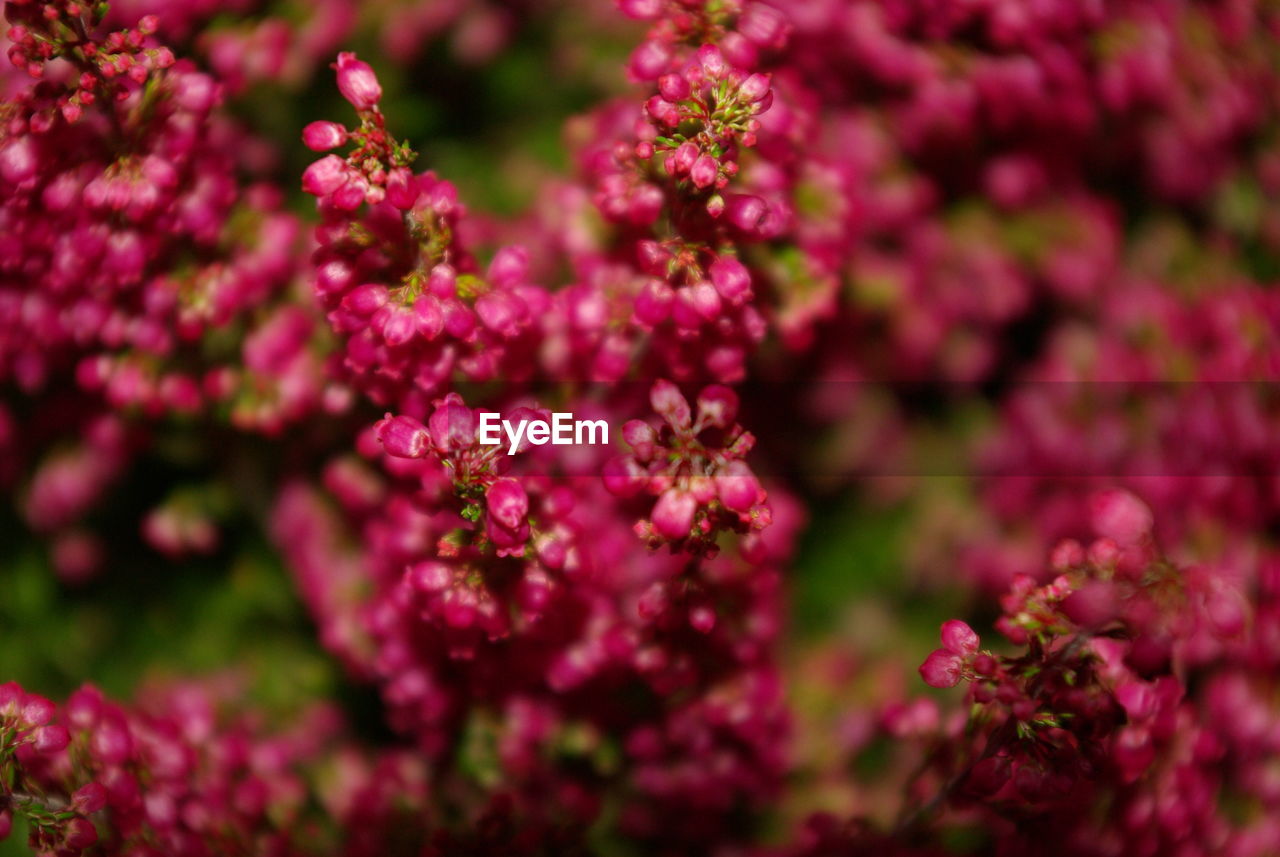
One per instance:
(50, 739)
(653, 304)
(763, 25)
(452, 424)
(667, 400)
(79, 834)
(653, 257)
(731, 280)
(712, 61)
(1120, 516)
(365, 299)
(649, 60)
(402, 188)
(640, 10)
(704, 171)
(403, 437)
(321, 136)
(35, 711)
(745, 211)
(18, 160)
(717, 406)
(429, 316)
(958, 638)
(684, 158)
(623, 477)
(754, 88)
(89, 798)
(507, 502)
(357, 82)
(510, 267)
(673, 513)
(443, 281)
(702, 300)
(673, 87)
(325, 176)
(738, 488)
(641, 437)
(942, 669)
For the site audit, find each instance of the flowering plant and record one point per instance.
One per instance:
(873, 317)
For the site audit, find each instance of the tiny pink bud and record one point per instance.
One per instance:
(429, 316)
(649, 60)
(402, 188)
(673, 513)
(452, 424)
(510, 267)
(670, 403)
(357, 82)
(640, 10)
(507, 502)
(958, 638)
(746, 212)
(674, 87)
(403, 437)
(1120, 516)
(731, 279)
(712, 61)
(89, 798)
(653, 257)
(443, 281)
(18, 160)
(703, 619)
(321, 136)
(754, 88)
(366, 299)
(430, 576)
(717, 406)
(80, 834)
(941, 669)
(704, 171)
(35, 711)
(738, 488)
(623, 477)
(1093, 605)
(641, 437)
(325, 176)
(51, 739)
(685, 157)
(653, 304)
(702, 300)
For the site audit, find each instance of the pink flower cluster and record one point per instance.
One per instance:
(1101, 700)
(180, 774)
(488, 565)
(1057, 219)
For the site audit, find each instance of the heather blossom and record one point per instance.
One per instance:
(986, 287)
